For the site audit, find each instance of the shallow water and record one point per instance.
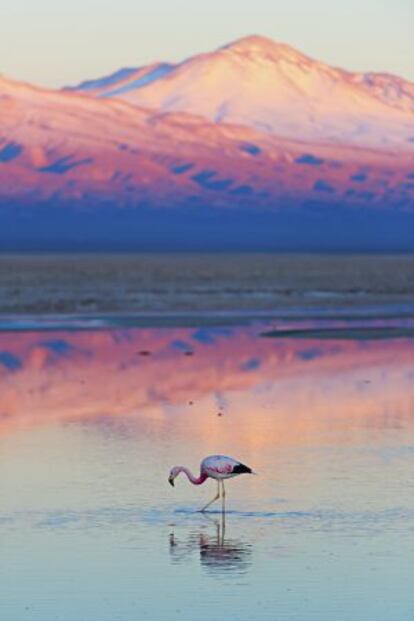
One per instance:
(91, 422)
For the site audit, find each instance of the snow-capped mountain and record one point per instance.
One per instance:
(84, 165)
(273, 88)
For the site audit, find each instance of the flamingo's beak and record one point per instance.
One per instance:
(171, 480)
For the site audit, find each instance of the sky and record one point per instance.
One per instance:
(60, 42)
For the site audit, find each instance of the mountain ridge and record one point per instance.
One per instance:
(83, 168)
(273, 88)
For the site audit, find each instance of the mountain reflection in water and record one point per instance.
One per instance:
(253, 390)
(91, 423)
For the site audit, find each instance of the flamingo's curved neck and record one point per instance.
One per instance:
(194, 480)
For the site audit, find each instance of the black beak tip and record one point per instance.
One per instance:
(171, 482)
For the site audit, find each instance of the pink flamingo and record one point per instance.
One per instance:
(218, 467)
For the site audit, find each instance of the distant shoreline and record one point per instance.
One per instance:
(205, 284)
(361, 324)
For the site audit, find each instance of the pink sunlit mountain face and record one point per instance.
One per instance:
(271, 87)
(254, 145)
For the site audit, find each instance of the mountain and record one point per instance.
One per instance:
(273, 88)
(81, 169)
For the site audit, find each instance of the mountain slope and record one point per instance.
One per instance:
(273, 88)
(83, 169)
(78, 146)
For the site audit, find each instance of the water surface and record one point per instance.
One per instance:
(92, 420)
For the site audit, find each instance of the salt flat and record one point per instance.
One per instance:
(128, 283)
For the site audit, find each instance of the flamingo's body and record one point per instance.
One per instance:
(218, 467)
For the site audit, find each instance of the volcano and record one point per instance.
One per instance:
(252, 146)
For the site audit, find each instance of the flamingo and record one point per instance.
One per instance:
(218, 467)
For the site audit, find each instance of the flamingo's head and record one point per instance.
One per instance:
(173, 473)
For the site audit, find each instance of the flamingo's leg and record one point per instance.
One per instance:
(216, 497)
(223, 497)
(222, 526)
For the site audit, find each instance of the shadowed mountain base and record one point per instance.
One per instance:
(325, 228)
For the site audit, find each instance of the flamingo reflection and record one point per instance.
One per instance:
(217, 554)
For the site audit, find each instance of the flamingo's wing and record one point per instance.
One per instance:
(221, 464)
(240, 468)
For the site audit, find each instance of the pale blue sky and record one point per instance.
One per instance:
(57, 42)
